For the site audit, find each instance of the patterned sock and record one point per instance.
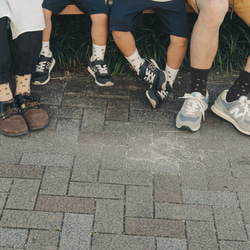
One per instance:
(171, 73)
(22, 84)
(98, 52)
(241, 87)
(46, 49)
(199, 80)
(136, 61)
(5, 92)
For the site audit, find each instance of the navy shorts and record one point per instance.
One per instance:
(126, 13)
(87, 6)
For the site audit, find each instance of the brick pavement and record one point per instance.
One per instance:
(111, 173)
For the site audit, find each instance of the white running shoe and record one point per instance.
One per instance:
(192, 111)
(236, 112)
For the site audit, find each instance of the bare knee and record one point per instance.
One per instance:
(99, 19)
(180, 42)
(212, 12)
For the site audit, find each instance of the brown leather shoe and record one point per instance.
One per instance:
(11, 120)
(35, 117)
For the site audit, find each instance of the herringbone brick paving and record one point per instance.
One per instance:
(111, 173)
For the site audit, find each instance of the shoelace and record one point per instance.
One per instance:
(9, 111)
(245, 103)
(193, 104)
(102, 69)
(163, 94)
(41, 66)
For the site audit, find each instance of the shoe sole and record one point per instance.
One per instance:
(38, 128)
(45, 82)
(14, 135)
(217, 110)
(152, 101)
(186, 128)
(166, 76)
(107, 84)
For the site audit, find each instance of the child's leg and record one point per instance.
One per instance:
(175, 55)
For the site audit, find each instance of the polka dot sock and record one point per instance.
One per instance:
(5, 92)
(136, 61)
(22, 84)
(199, 80)
(98, 52)
(240, 87)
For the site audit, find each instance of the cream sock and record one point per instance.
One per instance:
(5, 92)
(171, 73)
(46, 49)
(98, 52)
(136, 61)
(22, 84)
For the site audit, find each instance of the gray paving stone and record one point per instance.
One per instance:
(162, 166)
(155, 227)
(76, 231)
(240, 170)
(125, 177)
(193, 176)
(31, 219)
(55, 181)
(114, 157)
(183, 212)
(3, 197)
(248, 229)
(67, 130)
(53, 93)
(167, 188)
(209, 198)
(64, 204)
(96, 190)
(109, 216)
(48, 160)
(23, 194)
(39, 239)
(201, 235)
(17, 171)
(233, 245)
(118, 109)
(244, 198)
(15, 238)
(124, 242)
(5, 184)
(139, 201)
(69, 112)
(171, 243)
(229, 224)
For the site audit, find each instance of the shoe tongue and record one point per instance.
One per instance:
(196, 94)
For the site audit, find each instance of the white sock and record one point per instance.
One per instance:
(98, 52)
(46, 49)
(136, 61)
(171, 73)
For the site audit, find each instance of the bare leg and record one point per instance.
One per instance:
(48, 25)
(99, 29)
(247, 67)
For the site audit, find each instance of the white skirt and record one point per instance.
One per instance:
(24, 15)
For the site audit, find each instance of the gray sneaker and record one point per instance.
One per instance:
(236, 112)
(192, 111)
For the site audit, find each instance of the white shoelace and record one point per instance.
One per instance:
(245, 103)
(40, 67)
(163, 94)
(102, 69)
(193, 104)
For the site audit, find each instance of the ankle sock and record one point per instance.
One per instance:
(171, 73)
(5, 92)
(240, 87)
(22, 84)
(136, 61)
(199, 80)
(46, 49)
(98, 52)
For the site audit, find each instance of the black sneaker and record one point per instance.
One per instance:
(98, 69)
(157, 96)
(43, 69)
(150, 72)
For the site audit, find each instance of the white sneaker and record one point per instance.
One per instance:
(192, 111)
(236, 112)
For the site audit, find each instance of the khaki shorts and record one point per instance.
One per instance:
(241, 8)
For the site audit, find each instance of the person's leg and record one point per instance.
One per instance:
(203, 48)
(25, 51)
(11, 121)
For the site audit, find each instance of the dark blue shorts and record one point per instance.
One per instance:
(87, 6)
(126, 13)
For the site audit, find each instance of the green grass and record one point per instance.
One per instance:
(71, 44)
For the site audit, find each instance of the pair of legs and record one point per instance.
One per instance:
(20, 113)
(97, 67)
(204, 45)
